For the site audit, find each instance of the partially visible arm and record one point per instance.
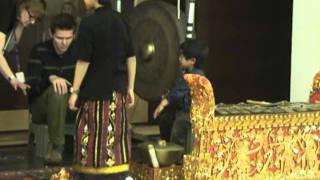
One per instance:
(6, 10)
(176, 94)
(164, 102)
(6, 71)
(180, 90)
(131, 65)
(4, 67)
(80, 72)
(84, 50)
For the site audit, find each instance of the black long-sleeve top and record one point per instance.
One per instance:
(104, 42)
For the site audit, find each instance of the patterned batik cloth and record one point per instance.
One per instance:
(102, 144)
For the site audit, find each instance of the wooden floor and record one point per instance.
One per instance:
(18, 162)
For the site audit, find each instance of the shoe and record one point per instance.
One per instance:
(47, 157)
(56, 156)
(53, 157)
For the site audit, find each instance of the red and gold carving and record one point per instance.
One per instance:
(264, 146)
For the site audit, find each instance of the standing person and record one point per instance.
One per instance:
(14, 16)
(103, 85)
(50, 71)
(177, 103)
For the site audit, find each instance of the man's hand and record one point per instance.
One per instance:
(72, 102)
(160, 107)
(60, 85)
(15, 83)
(130, 98)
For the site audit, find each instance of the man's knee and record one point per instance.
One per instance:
(52, 95)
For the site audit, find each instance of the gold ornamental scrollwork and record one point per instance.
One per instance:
(257, 154)
(259, 146)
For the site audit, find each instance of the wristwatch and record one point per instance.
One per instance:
(74, 91)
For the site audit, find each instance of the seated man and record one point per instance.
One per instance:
(175, 121)
(50, 72)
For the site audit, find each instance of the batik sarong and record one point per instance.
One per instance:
(102, 143)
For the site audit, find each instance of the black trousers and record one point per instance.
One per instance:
(175, 127)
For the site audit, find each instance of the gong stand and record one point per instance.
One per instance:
(191, 15)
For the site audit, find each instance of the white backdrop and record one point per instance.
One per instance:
(305, 48)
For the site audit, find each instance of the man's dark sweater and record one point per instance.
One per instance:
(43, 62)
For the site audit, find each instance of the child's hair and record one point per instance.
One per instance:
(37, 7)
(63, 21)
(193, 48)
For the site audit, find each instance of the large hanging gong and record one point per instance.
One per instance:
(156, 33)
